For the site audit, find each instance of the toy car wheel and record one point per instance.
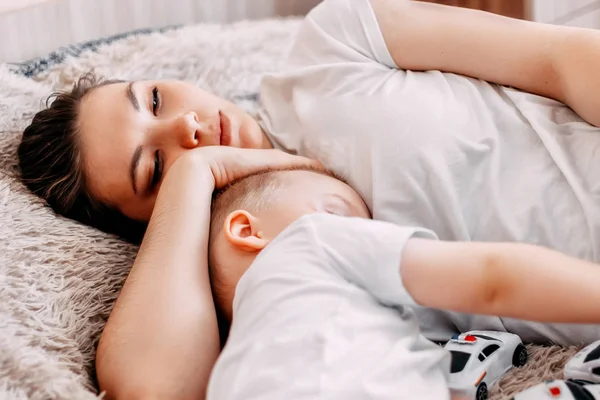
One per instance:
(482, 392)
(520, 356)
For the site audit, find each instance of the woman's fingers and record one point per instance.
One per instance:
(229, 164)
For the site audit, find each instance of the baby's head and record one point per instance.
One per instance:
(249, 213)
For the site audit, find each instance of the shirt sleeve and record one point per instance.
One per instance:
(306, 325)
(367, 253)
(341, 31)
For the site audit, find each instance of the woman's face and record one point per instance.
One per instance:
(132, 132)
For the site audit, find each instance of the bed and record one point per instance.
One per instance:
(59, 279)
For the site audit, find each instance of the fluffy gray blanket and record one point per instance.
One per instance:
(58, 279)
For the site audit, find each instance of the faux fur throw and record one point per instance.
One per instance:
(59, 279)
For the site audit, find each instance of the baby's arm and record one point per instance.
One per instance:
(504, 279)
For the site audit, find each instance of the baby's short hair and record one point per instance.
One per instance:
(252, 194)
(249, 193)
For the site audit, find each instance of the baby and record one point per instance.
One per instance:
(318, 292)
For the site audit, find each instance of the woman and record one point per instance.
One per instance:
(467, 159)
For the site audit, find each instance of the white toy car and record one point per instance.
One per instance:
(585, 365)
(480, 358)
(560, 390)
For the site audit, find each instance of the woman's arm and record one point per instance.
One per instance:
(553, 61)
(161, 339)
(504, 279)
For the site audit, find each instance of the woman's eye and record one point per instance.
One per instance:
(158, 168)
(155, 100)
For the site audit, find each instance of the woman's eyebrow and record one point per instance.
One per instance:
(135, 161)
(131, 96)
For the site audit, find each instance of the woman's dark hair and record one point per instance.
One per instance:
(51, 163)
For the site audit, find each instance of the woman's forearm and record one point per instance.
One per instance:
(161, 339)
(426, 36)
(577, 60)
(552, 61)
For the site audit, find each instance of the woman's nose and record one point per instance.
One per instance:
(187, 130)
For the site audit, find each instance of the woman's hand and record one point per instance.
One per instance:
(227, 164)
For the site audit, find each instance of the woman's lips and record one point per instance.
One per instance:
(225, 129)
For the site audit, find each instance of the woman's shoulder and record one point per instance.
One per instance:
(332, 9)
(340, 30)
(338, 50)
(338, 10)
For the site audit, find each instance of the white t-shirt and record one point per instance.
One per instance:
(309, 320)
(464, 158)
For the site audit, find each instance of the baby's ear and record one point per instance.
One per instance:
(242, 230)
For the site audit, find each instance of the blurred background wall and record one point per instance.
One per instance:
(31, 28)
